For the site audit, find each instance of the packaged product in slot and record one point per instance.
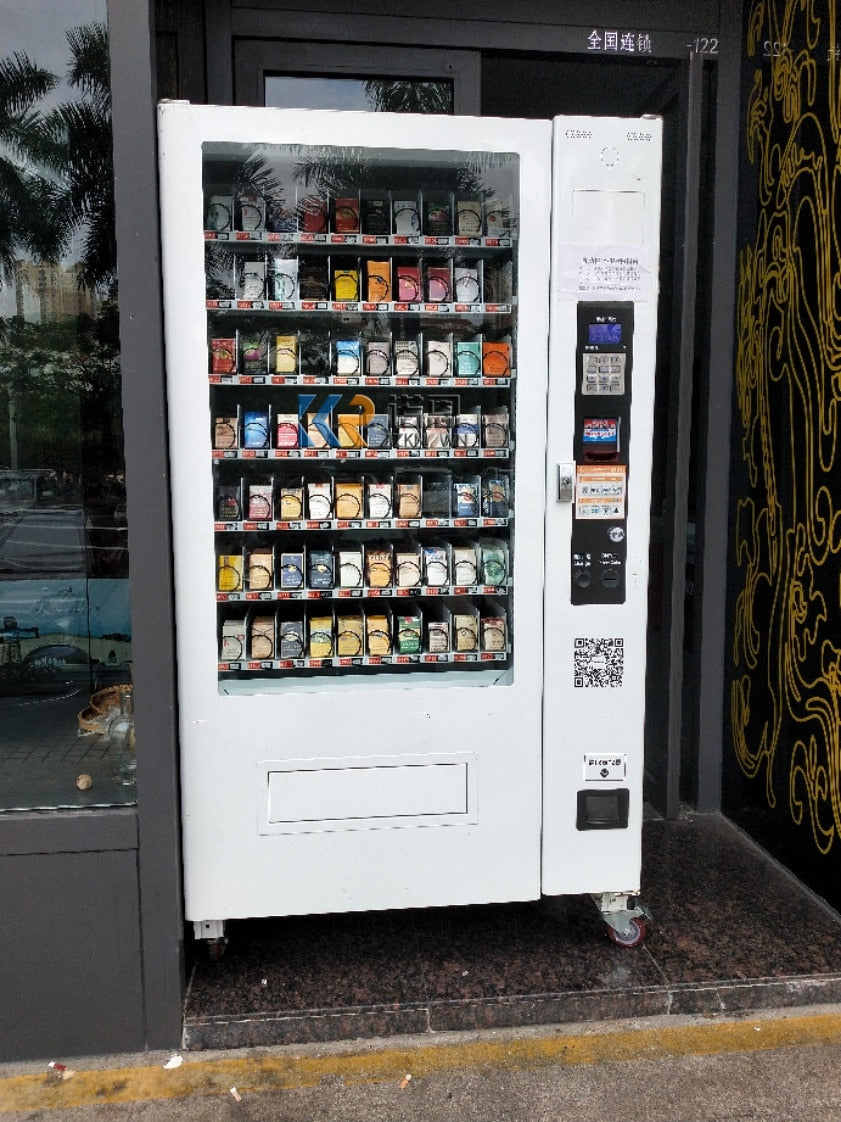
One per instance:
(313, 281)
(251, 213)
(228, 502)
(466, 497)
(290, 501)
(219, 271)
(406, 212)
(378, 641)
(469, 217)
(466, 286)
(232, 645)
(497, 282)
(250, 278)
(376, 215)
(494, 563)
(406, 358)
(466, 429)
(254, 352)
(219, 213)
(497, 216)
(378, 358)
(438, 283)
(495, 427)
(346, 215)
(262, 637)
(345, 283)
(312, 214)
(438, 631)
(496, 359)
(320, 636)
(465, 630)
(226, 431)
(287, 431)
(408, 567)
(409, 632)
(437, 431)
(379, 566)
(350, 567)
(255, 428)
(349, 500)
(280, 214)
(347, 357)
(408, 283)
(438, 215)
(292, 569)
(496, 495)
(378, 282)
(469, 358)
(286, 354)
(291, 638)
(350, 634)
(408, 496)
(319, 431)
(229, 572)
(284, 277)
(314, 353)
(409, 434)
(260, 570)
(378, 431)
(349, 430)
(493, 629)
(320, 499)
(439, 358)
(379, 498)
(260, 502)
(465, 565)
(223, 355)
(436, 565)
(437, 495)
(320, 563)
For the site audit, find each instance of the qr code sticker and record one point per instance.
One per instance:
(599, 662)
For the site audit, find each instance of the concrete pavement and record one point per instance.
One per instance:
(773, 1067)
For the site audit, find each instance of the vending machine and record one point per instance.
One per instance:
(410, 525)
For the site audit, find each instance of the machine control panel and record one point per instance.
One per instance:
(604, 359)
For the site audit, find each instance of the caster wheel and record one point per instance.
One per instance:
(632, 938)
(216, 949)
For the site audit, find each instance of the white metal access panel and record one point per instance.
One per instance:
(357, 316)
(605, 251)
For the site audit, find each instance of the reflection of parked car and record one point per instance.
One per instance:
(59, 541)
(22, 488)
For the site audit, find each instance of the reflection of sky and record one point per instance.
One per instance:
(37, 28)
(316, 93)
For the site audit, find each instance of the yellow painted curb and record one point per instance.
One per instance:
(271, 1072)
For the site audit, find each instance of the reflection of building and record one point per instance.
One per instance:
(48, 292)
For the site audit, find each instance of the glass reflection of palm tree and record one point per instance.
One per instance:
(23, 222)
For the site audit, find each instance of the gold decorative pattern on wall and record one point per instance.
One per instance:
(785, 691)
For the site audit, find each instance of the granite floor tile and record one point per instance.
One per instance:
(731, 932)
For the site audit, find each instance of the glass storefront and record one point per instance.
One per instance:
(66, 733)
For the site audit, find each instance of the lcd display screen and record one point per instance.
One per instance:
(610, 333)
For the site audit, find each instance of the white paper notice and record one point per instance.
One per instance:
(600, 491)
(604, 272)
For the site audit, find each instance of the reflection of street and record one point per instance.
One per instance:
(42, 755)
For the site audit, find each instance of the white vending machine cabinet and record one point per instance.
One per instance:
(357, 318)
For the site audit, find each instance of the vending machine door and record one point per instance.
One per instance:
(356, 324)
(605, 253)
